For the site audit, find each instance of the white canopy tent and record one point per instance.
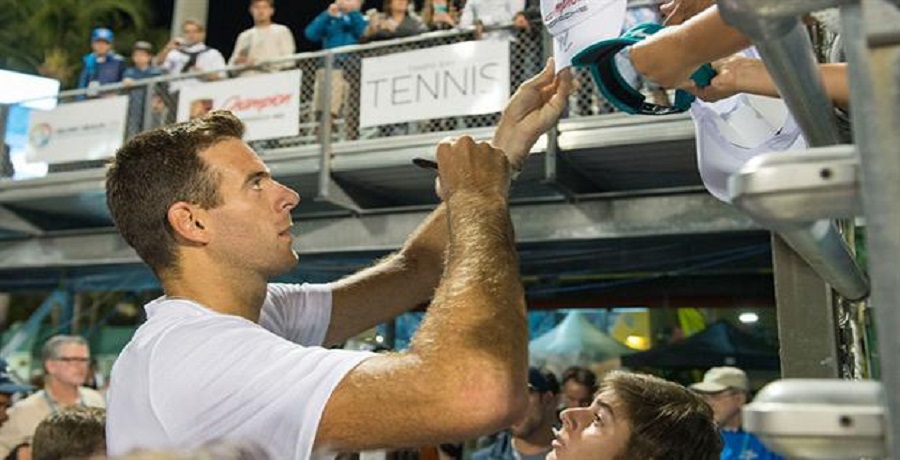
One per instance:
(574, 342)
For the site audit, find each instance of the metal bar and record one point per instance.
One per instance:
(874, 75)
(824, 249)
(325, 127)
(149, 93)
(788, 54)
(793, 66)
(622, 217)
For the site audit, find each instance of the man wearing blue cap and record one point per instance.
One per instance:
(531, 437)
(103, 65)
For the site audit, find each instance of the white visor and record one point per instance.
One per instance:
(577, 24)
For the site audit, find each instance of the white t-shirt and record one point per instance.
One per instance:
(265, 43)
(732, 131)
(207, 59)
(191, 375)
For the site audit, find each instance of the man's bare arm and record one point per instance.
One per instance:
(465, 372)
(669, 57)
(408, 278)
(393, 286)
(739, 74)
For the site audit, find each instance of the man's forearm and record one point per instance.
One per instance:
(393, 286)
(478, 313)
(672, 55)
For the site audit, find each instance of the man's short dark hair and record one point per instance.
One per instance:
(74, 432)
(270, 2)
(158, 168)
(668, 421)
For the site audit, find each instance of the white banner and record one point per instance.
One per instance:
(469, 78)
(88, 130)
(269, 105)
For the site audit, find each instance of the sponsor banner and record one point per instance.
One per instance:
(88, 130)
(470, 78)
(269, 104)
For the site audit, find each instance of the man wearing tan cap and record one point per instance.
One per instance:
(726, 389)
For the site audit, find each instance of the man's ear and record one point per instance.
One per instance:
(187, 221)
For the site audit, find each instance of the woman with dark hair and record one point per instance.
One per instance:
(395, 21)
(440, 14)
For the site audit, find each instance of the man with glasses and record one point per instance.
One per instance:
(727, 390)
(66, 361)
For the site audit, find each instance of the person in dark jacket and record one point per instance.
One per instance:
(101, 66)
(340, 25)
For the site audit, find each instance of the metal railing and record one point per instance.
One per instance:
(788, 54)
(153, 102)
(871, 37)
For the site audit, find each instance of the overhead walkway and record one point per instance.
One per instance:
(609, 208)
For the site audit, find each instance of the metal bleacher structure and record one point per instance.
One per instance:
(609, 211)
(608, 202)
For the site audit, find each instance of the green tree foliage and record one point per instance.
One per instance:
(49, 37)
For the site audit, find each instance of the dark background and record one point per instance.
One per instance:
(227, 18)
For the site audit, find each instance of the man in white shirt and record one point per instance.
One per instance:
(189, 53)
(264, 41)
(226, 355)
(66, 364)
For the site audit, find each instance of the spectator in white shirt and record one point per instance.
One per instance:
(189, 53)
(264, 41)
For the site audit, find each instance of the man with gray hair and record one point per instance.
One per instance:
(726, 389)
(65, 360)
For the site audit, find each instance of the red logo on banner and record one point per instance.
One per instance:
(239, 104)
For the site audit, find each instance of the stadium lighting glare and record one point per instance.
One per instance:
(748, 317)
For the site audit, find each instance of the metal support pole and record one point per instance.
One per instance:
(329, 191)
(149, 93)
(197, 10)
(872, 42)
(325, 128)
(805, 303)
(788, 54)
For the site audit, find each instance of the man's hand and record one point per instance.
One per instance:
(469, 167)
(735, 74)
(334, 10)
(533, 109)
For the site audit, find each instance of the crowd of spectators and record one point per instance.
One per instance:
(66, 419)
(340, 24)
